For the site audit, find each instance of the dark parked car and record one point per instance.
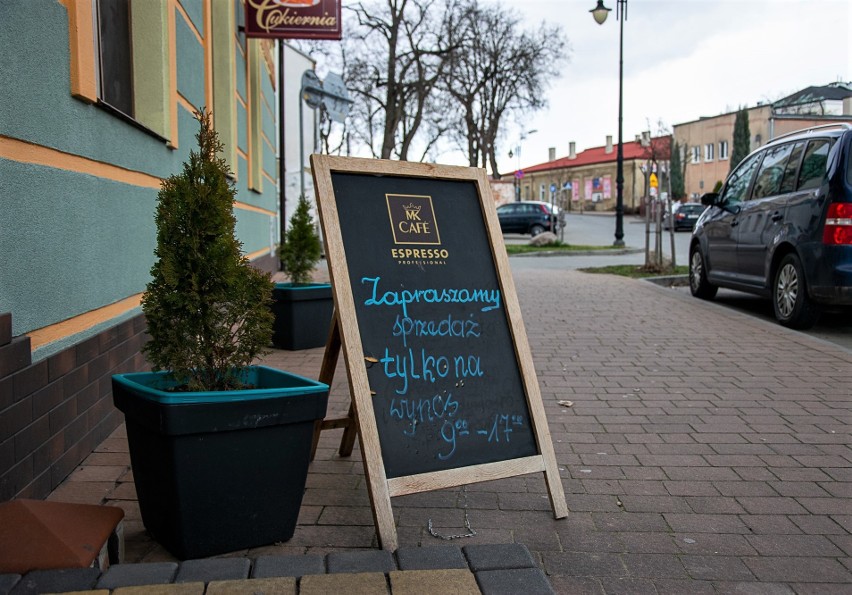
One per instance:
(781, 227)
(685, 216)
(532, 217)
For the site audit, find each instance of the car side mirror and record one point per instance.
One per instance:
(710, 199)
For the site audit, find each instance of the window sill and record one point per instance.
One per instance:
(130, 120)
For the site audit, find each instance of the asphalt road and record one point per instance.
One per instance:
(599, 230)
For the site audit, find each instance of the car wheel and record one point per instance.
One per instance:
(793, 307)
(699, 286)
(536, 229)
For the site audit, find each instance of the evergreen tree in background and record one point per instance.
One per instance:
(678, 190)
(742, 138)
(301, 249)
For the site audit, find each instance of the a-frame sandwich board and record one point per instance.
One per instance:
(440, 372)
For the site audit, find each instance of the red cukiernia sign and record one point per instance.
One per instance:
(293, 19)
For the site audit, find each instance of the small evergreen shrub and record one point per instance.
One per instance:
(206, 306)
(301, 249)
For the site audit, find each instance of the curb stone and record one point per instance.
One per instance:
(494, 567)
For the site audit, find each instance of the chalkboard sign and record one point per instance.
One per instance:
(448, 391)
(442, 379)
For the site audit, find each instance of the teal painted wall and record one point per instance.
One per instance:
(195, 11)
(242, 128)
(77, 242)
(35, 100)
(266, 88)
(269, 158)
(190, 63)
(253, 230)
(242, 174)
(269, 128)
(74, 242)
(241, 73)
(266, 199)
(187, 129)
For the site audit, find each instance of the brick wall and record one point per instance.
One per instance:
(54, 412)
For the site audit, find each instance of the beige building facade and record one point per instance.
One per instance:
(705, 144)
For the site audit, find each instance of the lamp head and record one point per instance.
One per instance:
(600, 12)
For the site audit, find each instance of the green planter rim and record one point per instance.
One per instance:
(271, 384)
(298, 286)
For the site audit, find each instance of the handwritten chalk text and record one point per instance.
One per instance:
(427, 367)
(446, 327)
(489, 298)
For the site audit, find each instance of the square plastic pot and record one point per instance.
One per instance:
(217, 472)
(302, 315)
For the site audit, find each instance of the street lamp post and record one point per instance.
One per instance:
(600, 12)
(518, 172)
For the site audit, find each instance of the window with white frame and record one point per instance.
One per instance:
(723, 149)
(696, 154)
(709, 150)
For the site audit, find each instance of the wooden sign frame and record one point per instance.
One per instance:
(346, 329)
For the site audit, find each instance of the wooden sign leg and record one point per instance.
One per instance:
(326, 376)
(554, 487)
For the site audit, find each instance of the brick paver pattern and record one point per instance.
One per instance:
(702, 451)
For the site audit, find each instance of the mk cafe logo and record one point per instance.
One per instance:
(412, 220)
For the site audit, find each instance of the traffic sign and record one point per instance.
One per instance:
(311, 89)
(331, 94)
(337, 100)
(654, 182)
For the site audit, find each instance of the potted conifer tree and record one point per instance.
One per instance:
(219, 448)
(303, 309)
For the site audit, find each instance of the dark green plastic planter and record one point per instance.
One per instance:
(217, 472)
(302, 315)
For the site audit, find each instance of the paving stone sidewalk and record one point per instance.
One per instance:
(491, 569)
(701, 451)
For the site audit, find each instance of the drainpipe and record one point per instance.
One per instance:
(282, 162)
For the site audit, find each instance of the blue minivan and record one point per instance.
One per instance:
(781, 226)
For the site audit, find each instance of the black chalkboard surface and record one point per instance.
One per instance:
(440, 356)
(443, 385)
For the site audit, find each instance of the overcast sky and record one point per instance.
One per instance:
(683, 59)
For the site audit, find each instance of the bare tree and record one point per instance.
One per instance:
(501, 70)
(657, 154)
(403, 47)
(426, 74)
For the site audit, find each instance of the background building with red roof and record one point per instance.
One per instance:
(585, 181)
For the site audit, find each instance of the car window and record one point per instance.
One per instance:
(768, 180)
(788, 183)
(739, 181)
(507, 210)
(813, 165)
